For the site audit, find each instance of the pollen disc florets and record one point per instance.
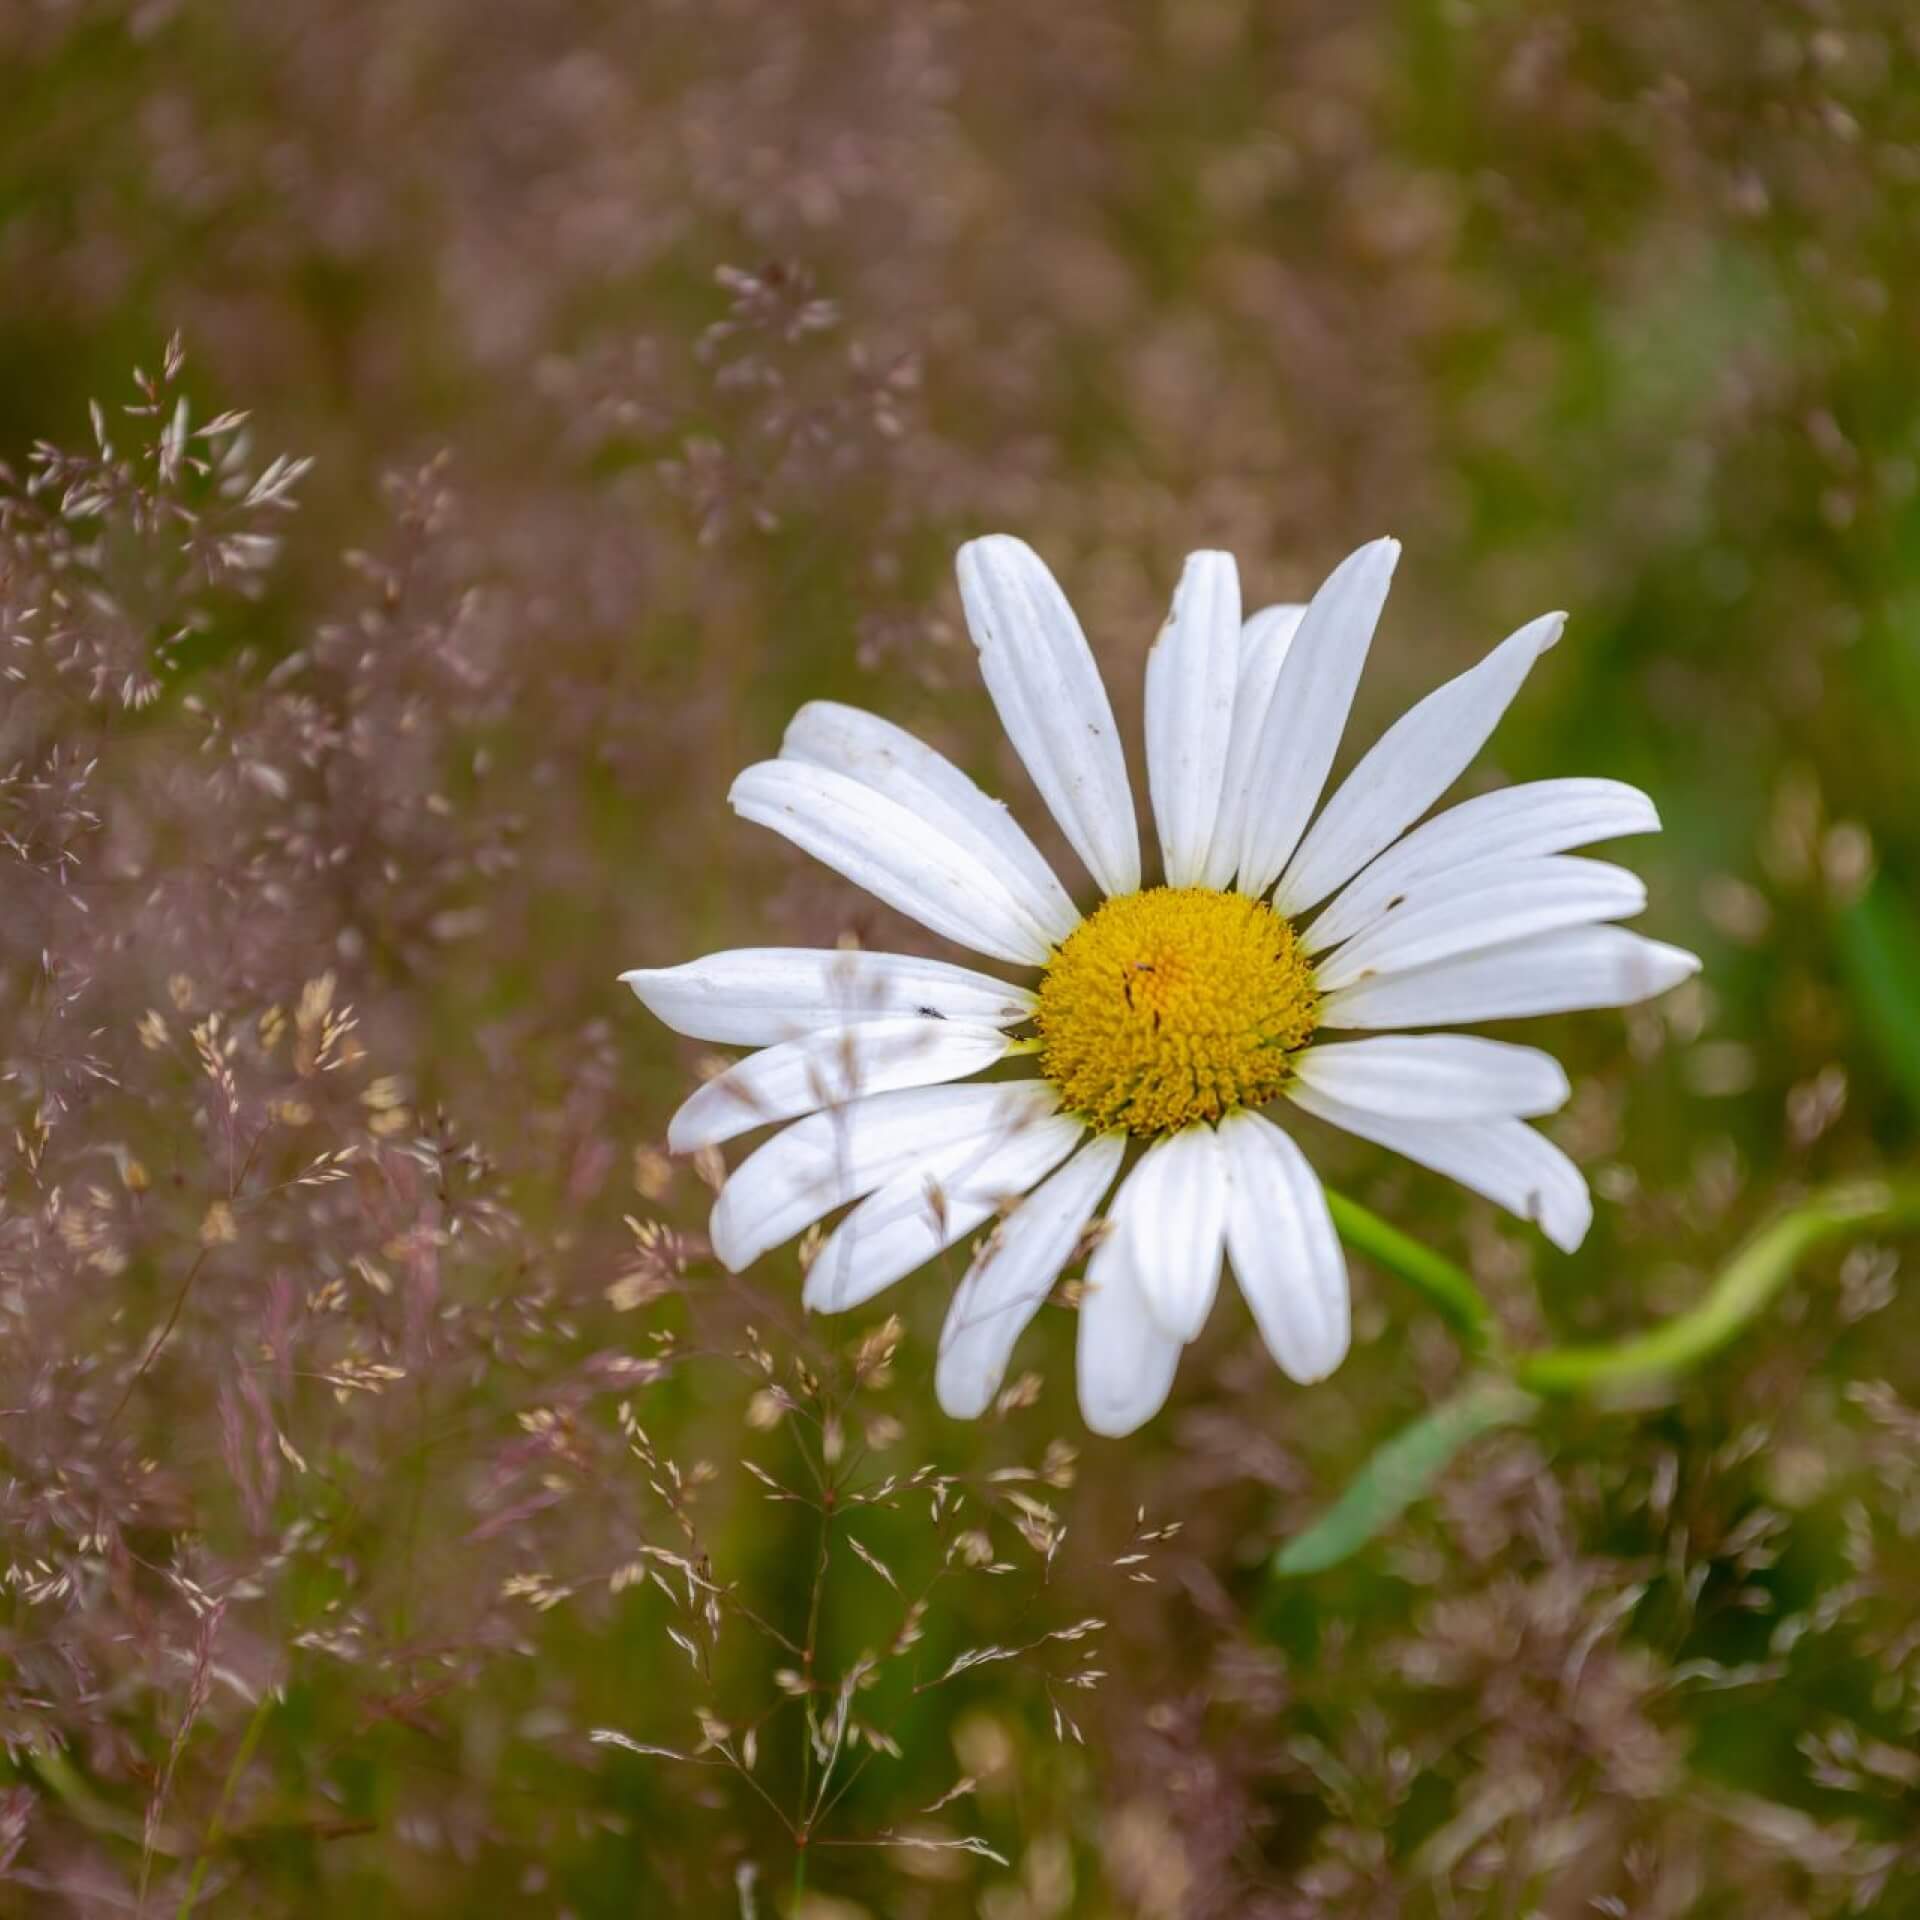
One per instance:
(1173, 1005)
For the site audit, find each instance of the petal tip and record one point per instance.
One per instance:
(1115, 1423)
(1566, 1225)
(727, 1247)
(959, 1397)
(1008, 549)
(643, 983)
(1319, 1367)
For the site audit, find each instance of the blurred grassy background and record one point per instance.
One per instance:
(730, 322)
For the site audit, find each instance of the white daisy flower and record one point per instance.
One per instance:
(1165, 1022)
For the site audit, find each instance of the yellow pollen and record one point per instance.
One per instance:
(1174, 1005)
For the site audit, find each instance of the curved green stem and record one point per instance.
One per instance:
(1459, 1302)
(1745, 1285)
(1406, 1465)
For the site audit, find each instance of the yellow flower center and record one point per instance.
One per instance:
(1174, 1005)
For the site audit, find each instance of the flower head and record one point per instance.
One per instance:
(1169, 1018)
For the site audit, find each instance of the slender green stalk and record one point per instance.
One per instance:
(216, 1827)
(1446, 1286)
(1744, 1286)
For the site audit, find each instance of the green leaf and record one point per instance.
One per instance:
(1879, 941)
(1400, 1471)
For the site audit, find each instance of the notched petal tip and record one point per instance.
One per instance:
(745, 780)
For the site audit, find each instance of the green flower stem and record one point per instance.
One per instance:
(1404, 1466)
(1745, 1285)
(1462, 1304)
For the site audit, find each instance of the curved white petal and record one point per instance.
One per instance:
(894, 762)
(829, 1158)
(1413, 763)
(930, 1205)
(1501, 902)
(757, 996)
(1284, 1251)
(1300, 731)
(1437, 1076)
(1264, 641)
(1041, 674)
(1013, 1275)
(1516, 823)
(898, 857)
(829, 1068)
(1192, 671)
(1568, 971)
(1124, 1363)
(1173, 1210)
(1505, 1160)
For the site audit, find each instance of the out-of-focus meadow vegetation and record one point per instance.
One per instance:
(373, 1430)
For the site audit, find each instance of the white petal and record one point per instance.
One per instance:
(1040, 672)
(1005, 1286)
(1124, 1363)
(1414, 762)
(1506, 1160)
(829, 1068)
(1488, 907)
(1543, 816)
(1264, 641)
(893, 762)
(1174, 1211)
(929, 1206)
(829, 1158)
(1437, 1076)
(888, 849)
(1564, 972)
(1192, 671)
(755, 996)
(1300, 731)
(1285, 1253)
